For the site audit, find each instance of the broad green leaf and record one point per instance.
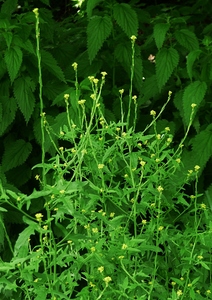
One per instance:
(160, 31)
(9, 108)
(126, 18)
(187, 39)
(13, 59)
(8, 36)
(51, 64)
(202, 147)
(123, 54)
(45, 2)
(9, 6)
(98, 30)
(150, 88)
(91, 4)
(23, 238)
(191, 57)
(194, 93)
(23, 91)
(166, 61)
(16, 154)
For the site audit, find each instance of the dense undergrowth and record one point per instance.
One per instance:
(120, 206)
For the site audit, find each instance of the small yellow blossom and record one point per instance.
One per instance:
(173, 283)
(153, 113)
(100, 166)
(91, 78)
(203, 206)
(134, 98)
(198, 291)
(93, 249)
(124, 246)
(101, 269)
(152, 204)
(126, 175)
(84, 151)
(142, 163)
(62, 191)
(95, 80)
(170, 92)
(62, 133)
(103, 74)
(179, 292)
(160, 228)
(190, 172)
(178, 160)
(193, 105)
(66, 96)
(81, 102)
(61, 148)
(45, 227)
(196, 168)
(159, 188)
(133, 38)
(87, 226)
(93, 96)
(123, 134)
(158, 136)
(107, 280)
(112, 214)
(181, 278)
(200, 257)
(121, 256)
(35, 11)
(167, 129)
(169, 140)
(144, 222)
(121, 91)
(37, 177)
(73, 126)
(189, 284)
(74, 65)
(91, 284)
(208, 292)
(69, 241)
(39, 217)
(36, 280)
(95, 230)
(157, 160)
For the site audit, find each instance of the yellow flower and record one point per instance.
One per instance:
(103, 74)
(193, 105)
(101, 269)
(100, 166)
(66, 96)
(158, 136)
(173, 283)
(203, 206)
(93, 249)
(178, 160)
(81, 102)
(121, 91)
(200, 257)
(95, 230)
(196, 168)
(35, 11)
(208, 292)
(179, 292)
(167, 129)
(107, 280)
(121, 256)
(74, 65)
(112, 214)
(159, 188)
(39, 217)
(144, 222)
(170, 92)
(133, 38)
(160, 228)
(153, 113)
(124, 246)
(95, 80)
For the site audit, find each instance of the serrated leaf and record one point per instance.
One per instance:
(150, 88)
(9, 108)
(126, 18)
(187, 39)
(16, 154)
(91, 4)
(123, 54)
(51, 64)
(191, 57)
(13, 59)
(160, 31)
(166, 61)
(98, 30)
(9, 6)
(8, 36)
(194, 93)
(23, 91)
(202, 147)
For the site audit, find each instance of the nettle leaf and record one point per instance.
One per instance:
(187, 39)
(16, 154)
(191, 57)
(98, 30)
(160, 31)
(202, 147)
(13, 59)
(9, 6)
(126, 18)
(194, 93)
(23, 91)
(9, 108)
(123, 53)
(91, 4)
(51, 64)
(166, 61)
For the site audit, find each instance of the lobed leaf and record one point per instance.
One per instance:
(194, 93)
(166, 61)
(16, 154)
(126, 18)
(160, 31)
(98, 30)
(13, 59)
(187, 39)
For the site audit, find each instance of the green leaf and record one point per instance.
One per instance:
(194, 93)
(150, 88)
(187, 39)
(192, 56)
(51, 64)
(123, 54)
(23, 91)
(166, 61)
(8, 36)
(98, 30)
(126, 18)
(24, 236)
(91, 4)
(160, 31)
(202, 147)
(15, 154)
(9, 6)
(13, 59)
(9, 108)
